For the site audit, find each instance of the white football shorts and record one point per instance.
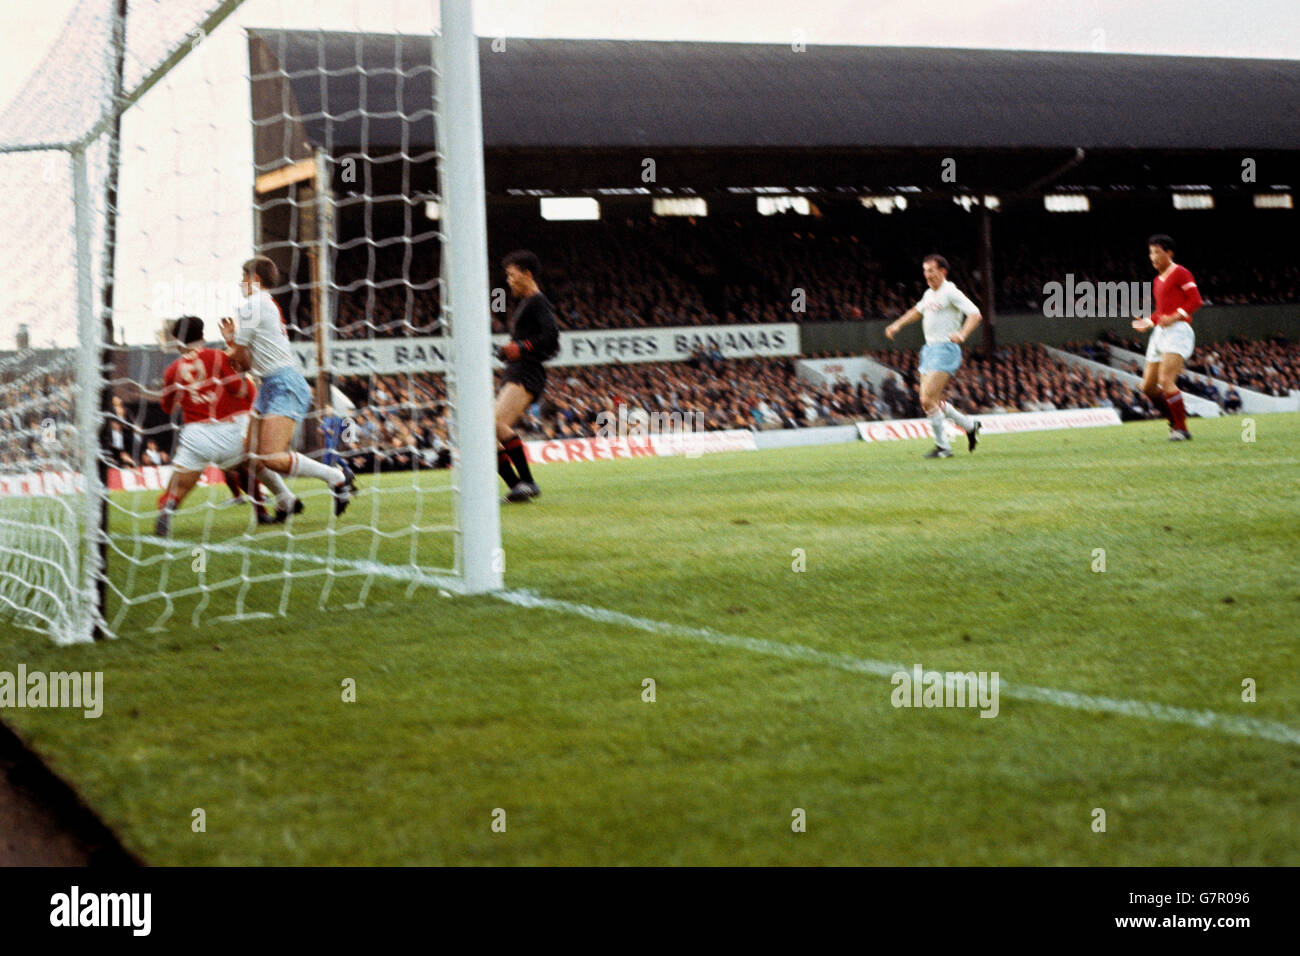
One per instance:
(1177, 338)
(216, 443)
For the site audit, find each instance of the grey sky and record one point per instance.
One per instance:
(1250, 28)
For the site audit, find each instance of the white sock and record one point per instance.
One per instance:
(964, 422)
(272, 480)
(937, 424)
(308, 468)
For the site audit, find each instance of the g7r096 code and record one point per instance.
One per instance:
(1224, 898)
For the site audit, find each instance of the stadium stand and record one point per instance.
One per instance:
(631, 273)
(35, 399)
(397, 421)
(1270, 367)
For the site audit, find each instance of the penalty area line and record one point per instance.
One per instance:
(1269, 730)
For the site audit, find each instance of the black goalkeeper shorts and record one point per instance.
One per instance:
(531, 375)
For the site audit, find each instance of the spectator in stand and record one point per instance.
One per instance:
(1271, 367)
(120, 435)
(37, 419)
(154, 457)
(1207, 389)
(397, 413)
(636, 273)
(331, 429)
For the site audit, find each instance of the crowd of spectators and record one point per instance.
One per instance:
(398, 422)
(403, 421)
(381, 291)
(37, 426)
(1025, 378)
(756, 394)
(1024, 270)
(649, 271)
(1271, 367)
(395, 414)
(387, 310)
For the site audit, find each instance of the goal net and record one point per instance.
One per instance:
(354, 128)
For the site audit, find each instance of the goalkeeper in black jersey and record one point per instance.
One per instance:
(534, 338)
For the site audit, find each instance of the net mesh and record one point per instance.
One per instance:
(343, 99)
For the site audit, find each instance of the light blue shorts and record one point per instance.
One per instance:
(284, 392)
(944, 357)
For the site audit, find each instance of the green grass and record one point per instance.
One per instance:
(464, 705)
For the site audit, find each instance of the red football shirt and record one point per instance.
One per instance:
(206, 385)
(1176, 290)
(238, 402)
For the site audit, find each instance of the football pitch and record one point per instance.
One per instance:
(1137, 599)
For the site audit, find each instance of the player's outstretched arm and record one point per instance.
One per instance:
(907, 318)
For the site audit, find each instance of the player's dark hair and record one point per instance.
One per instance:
(525, 261)
(938, 260)
(187, 329)
(264, 269)
(1164, 242)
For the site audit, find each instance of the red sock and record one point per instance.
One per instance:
(514, 447)
(1177, 413)
(166, 500)
(506, 469)
(1158, 400)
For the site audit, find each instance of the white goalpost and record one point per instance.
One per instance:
(461, 137)
(137, 153)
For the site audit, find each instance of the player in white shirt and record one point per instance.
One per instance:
(942, 310)
(260, 343)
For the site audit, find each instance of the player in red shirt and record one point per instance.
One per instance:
(1172, 340)
(231, 406)
(214, 400)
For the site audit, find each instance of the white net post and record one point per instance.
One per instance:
(460, 136)
(90, 384)
(44, 576)
(324, 277)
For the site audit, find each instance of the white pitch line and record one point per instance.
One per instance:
(1204, 719)
(1270, 730)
